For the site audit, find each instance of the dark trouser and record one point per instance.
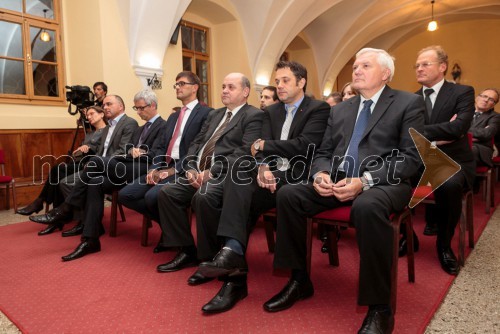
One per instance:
(173, 201)
(51, 194)
(143, 197)
(448, 208)
(370, 214)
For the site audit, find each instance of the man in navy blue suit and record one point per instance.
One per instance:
(182, 127)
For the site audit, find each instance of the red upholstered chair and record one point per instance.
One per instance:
(466, 220)
(486, 174)
(8, 182)
(340, 217)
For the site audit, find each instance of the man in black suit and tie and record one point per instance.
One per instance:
(292, 130)
(365, 160)
(224, 140)
(182, 127)
(449, 112)
(484, 127)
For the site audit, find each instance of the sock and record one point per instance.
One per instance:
(235, 246)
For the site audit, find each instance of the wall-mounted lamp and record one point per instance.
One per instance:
(45, 36)
(154, 82)
(433, 25)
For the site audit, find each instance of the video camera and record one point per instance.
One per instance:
(81, 96)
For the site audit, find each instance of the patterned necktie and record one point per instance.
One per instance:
(357, 134)
(208, 151)
(175, 135)
(285, 130)
(428, 102)
(144, 133)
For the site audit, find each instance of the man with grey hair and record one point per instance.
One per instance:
(365, 161)
(102, 175)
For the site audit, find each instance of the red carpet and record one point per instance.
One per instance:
(118, 289)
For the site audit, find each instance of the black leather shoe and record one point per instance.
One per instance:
(197, 278)
(51, 228)
(180, 261)
(448, 260)
(377, 322)
(33, 207)
(88, 246)
(226, 298)
(226, 262)
(53, 216)
(76, 230)
(430, 229)
(292, 292)
(403, 245)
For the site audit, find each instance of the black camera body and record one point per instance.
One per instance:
(80, 96)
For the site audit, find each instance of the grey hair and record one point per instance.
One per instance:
(148, 96)
(384, 59)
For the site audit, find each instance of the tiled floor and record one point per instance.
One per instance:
(471, 305)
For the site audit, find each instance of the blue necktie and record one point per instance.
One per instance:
(357, 134)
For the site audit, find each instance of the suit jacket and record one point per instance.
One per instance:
(453, 100)
(193, 126)
(306, 131)
(387, 130)
(151, 142)
(121, 136)
(483, 129)
(243, 129)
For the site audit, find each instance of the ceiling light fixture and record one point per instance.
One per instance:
(433, 25)
(45, 36)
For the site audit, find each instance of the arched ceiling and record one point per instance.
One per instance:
(334, 30)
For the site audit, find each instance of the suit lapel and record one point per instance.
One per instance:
(299, 114)
(192, 116)
(215, 122)
(441, 99)
(235, 119)
(118, 126)
(152, 128)
(383, 103)
(280, 120)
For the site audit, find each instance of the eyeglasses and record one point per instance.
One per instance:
(141, 108)
(182, 83)
(489, 99)
(425, 65)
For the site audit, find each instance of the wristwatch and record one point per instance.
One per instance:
(256, 145)
(365, 183)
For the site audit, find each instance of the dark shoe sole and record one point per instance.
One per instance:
(213, 272)
(193, 264)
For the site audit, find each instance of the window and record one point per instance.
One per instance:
(31, 65)
(195, 56)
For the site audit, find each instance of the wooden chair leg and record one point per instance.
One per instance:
(7, 196)
(333, 248)
(114, 205)
(269, 228)
(146, 225)
(14, 197)
(469, 204)
(122, 214)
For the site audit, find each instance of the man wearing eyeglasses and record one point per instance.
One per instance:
(182, 127)
(484, 127)
(449, 112)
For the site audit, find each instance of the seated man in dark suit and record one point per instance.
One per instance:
(365, 160)
(103, 175)
(484, 127)
(224, 140)
(182, 127)
(292, 130)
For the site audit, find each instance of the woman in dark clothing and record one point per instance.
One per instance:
(50, 193)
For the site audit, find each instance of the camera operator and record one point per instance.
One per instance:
(100, 92)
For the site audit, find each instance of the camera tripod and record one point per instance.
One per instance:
(80, 123)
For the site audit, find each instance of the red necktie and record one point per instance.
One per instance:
(177, 132)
